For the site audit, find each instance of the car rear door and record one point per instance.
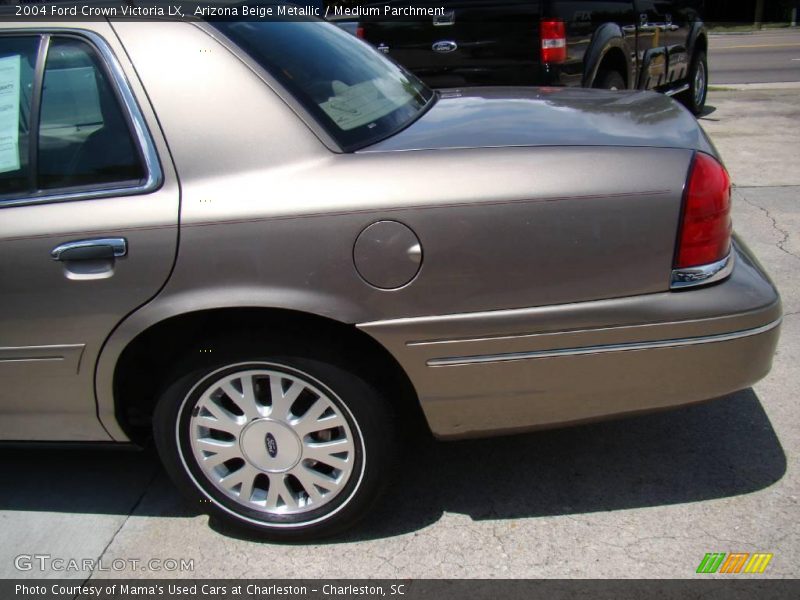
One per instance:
(88, 221)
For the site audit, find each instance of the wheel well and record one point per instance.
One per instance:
(152, 357)
(614, 60)
(701, 43)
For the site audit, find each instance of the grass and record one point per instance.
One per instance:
(744, 27)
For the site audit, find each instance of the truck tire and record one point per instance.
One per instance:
(609, 80)
(695, 97)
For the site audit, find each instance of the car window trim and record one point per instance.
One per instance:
(35, 114)
(137, 126)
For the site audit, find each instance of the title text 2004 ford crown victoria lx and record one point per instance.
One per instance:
(262, 242)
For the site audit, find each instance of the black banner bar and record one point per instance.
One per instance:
(247, 10)
(729, 588)
(252, 10)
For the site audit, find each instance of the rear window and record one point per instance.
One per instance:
(355, 93)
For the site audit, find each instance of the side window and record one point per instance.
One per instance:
(84, 138)
(17, 67)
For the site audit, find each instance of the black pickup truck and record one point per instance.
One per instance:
(613, 44)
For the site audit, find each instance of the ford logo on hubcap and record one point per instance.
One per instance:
(272, 445)
(445, 46)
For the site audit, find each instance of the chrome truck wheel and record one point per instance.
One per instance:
(290, 447)
(695, 97)
(700, 86)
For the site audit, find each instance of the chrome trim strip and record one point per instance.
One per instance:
(66, 358)
(677, 90)
(154, 175)
(26, 352)
(704, 274)
(513, 356)
(34, 359)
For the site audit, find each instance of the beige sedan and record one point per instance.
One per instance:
(262, 244)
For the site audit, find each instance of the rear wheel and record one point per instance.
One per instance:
(288, 446)
(695, 97)
(609, 80)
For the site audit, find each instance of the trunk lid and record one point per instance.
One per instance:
(509, 116)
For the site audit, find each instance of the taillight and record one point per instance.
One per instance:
(554, 41)
(360, 32)
(705, 234)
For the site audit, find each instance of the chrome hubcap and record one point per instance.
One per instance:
(700, 84)
(260, 441)
(272, 441)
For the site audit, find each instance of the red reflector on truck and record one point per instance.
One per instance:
(554, 41)
(705, 233)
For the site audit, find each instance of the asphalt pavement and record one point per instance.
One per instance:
(761, 57)
(640, 497)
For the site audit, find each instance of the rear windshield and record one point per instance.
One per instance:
(355, 93)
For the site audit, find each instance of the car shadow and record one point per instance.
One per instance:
(107, 480)
(712, 450)
(707, 111)
(717, 449)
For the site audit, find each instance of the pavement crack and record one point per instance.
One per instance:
(781, 244)
(722, 540)
(131, 510)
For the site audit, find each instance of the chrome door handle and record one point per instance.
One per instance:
(95, 249)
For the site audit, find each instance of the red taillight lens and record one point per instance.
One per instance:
(705, 235)
(360, 32)
(554, 41)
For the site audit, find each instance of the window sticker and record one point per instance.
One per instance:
(9, 113)
(356, 105)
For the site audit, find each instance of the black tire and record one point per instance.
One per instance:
(695, 97)
(368, 422)
(609, 80)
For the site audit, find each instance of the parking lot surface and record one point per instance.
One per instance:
(751, 57)
(640, 497)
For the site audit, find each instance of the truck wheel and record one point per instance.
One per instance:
(609, 80)
(287, 446)
(695, 97)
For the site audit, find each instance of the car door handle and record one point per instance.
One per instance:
(95, 249)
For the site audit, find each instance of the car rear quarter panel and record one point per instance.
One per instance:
(501, 228)
(269, 215)
(506, 371)
(267, 209)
